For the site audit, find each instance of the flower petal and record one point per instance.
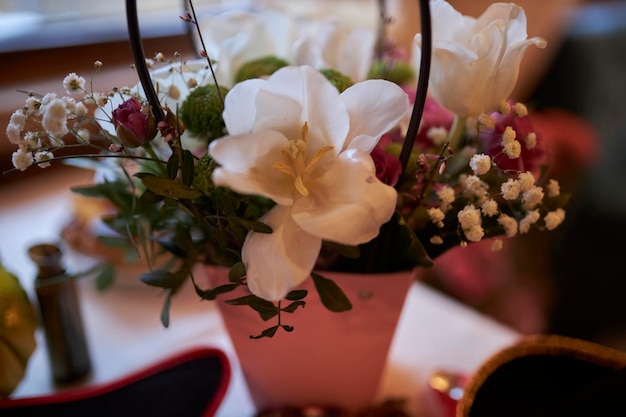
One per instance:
(351, 204)
(279, 261)
(322, 107)
(375, 107)
(248, 165)
(240, 108)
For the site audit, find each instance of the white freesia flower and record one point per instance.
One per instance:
(328, 44)
(475, 62)
(296, 140)
(236, 37)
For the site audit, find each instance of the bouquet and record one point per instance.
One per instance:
(282, 155)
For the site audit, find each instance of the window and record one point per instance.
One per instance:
(42, 24)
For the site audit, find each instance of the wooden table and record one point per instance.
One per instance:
(125, 334)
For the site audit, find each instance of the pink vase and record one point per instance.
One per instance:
(330, 359)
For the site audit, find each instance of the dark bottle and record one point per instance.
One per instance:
(60, 316)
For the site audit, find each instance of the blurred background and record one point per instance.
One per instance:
(569, 281)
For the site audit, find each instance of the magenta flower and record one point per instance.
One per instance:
(434, 116)
(134, 123)
(388, 167)
(533, 148)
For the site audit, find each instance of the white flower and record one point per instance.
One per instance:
(529, 219)
(14, 133)
(509, 224)
(553, 187)
(436, 216)
(469, 217)
(510, 189)
(526, 180)
(437, 135)
(74, 84)
(446, 196)
(496, 245)
(475, 62)
(44, 158)
(512, 149)
(22, 159)
(236, 37)
(520, 109)
(19, 118)
(296, 140)
(489, 207)
(55, 118)
(531, 140)
(554, 218)
(480, 164)
(532, 197)
(474, 233)
(327, 44)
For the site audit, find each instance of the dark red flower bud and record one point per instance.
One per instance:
(134, 123)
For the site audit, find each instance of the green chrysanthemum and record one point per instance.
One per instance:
(400, 72)
(201, 112)
(260, 67)
(202, 174)
(338, 79)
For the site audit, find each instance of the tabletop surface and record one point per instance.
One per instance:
(124, 332)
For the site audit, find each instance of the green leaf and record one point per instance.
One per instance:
(105, 277)
(351, 252)
(114, 241)
(163, 278)
(236, 272)
(169, 188)
(293, 306)
(330, 294)
(253, 225)
(212, 293)
(148, 197)
(269, 332)
(266, 309)
(165, 311)
(188, 168)
(287, 328)
(296, 295)
(172, 166)
(116, 192)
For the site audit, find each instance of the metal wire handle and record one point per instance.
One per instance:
(420, 96)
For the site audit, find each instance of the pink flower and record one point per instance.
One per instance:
(532, 156)
(434, 116)
(134, 124)
(388, 167)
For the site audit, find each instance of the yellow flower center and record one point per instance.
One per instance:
(296, 164)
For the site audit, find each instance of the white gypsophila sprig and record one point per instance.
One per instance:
(509, 224)
(480, 164)
(74, 84)
(554, 218)
(528, 220)
(470, 220)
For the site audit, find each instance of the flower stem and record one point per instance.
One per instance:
(140, 59)
(456, 132)
(422, 84)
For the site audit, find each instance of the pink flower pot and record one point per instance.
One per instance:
(330, 359)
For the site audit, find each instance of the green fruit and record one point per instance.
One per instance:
(18, 323)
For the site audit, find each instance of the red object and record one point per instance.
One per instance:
(189, 384)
